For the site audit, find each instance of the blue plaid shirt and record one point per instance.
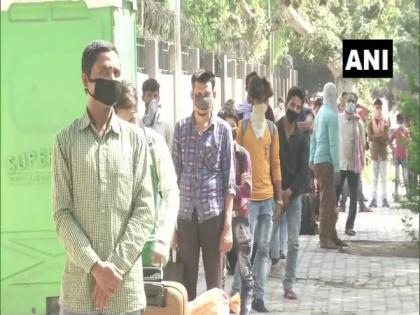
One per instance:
(205, 167)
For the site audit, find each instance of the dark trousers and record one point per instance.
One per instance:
(328, 215)
(194, 236)
(353, 182)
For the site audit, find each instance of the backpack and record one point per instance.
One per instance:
(271, 127)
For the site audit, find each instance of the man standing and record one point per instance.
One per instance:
(352, 155)
(203, 154)
(101, 198)
(294, 155)
(152, 116)
(164, 184)
(324, 159)
(260, 138)
(378, 130)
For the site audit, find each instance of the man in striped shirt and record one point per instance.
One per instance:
(102, 203)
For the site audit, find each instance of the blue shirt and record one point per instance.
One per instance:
(325, 139)
(205, 167)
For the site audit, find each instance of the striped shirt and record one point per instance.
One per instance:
(102, 206)
(205, 167)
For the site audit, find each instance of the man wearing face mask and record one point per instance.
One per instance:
(102, 202)
(260, 138)
(325, 160)
(378, 134)
(294, 154)
(152, 116)
(352, 155)
(203, 155)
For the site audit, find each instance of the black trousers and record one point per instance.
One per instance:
(353, 182)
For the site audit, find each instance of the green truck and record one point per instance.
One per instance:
(41, 92)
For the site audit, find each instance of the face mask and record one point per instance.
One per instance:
(150, 116)
(291, 115)
(259, 109)
(350, 108)
(106, 91)
(203, 103)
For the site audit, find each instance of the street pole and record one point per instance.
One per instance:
(178, 60)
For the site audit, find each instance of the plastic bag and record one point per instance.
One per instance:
(211, 302)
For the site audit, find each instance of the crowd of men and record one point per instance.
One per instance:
(127, 188)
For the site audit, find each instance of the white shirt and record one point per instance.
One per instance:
(347, 133)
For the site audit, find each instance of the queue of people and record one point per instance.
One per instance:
(126, 189)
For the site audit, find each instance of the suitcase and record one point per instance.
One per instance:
(166, 298)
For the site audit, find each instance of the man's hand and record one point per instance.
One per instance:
(245, 177)
(226, 239)
(100, 299)
(285, 195)
(108, 277)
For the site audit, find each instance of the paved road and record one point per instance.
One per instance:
(333, 282)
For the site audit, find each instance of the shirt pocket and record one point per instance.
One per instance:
(124, 190)
(210, 154)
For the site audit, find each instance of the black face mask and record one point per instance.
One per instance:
(291, 115)
(107, 91)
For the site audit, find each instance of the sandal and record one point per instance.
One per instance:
(289, 294)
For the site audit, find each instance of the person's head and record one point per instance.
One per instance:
(400, 118)
(248, 78)
(330, 96)
(350, 103)
(231, 118)
(377, 104)
(229, 104)
(126, 107)
(150, 90)
(317, 105)
(294, 103)
(342, 102)
(203, 92)
(101, 72)
(259, 90)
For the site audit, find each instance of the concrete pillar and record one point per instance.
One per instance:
(223, 78)
(194, 60)
(208, 63)
(171, 52)
(232, 72)
(249, 68)
(151, 62)
(242, 75)
(296, 77)
(263, 71)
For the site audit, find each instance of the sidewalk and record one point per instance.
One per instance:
(333, 282)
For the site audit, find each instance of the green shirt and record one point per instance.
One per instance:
(103, 207)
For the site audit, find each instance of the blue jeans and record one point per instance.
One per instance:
(279, 238)
(63, 312)
(293, 212)
(260, 215)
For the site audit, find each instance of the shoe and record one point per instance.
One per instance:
(277, 270)
(365, 209)
(289, 294)
(340, 243)
(350, 232)
(373, 204)
(328, 245)
(258, 305)
(385, 203)
(282, 256)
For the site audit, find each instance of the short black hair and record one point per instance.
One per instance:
(295, 91)
(150, 85)
(203, 76)
(353, 94)
(91, 52)
(259, 89)
(248, 79)
(344, 94)
(378, 102)
(400, 117)
(129, 97)
(228, 113)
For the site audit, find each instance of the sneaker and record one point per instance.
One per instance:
(277, 270)
(385, 203)
(258, 305)
(373, 204)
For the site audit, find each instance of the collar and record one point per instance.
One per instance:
(114, 123)
(211, 121)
